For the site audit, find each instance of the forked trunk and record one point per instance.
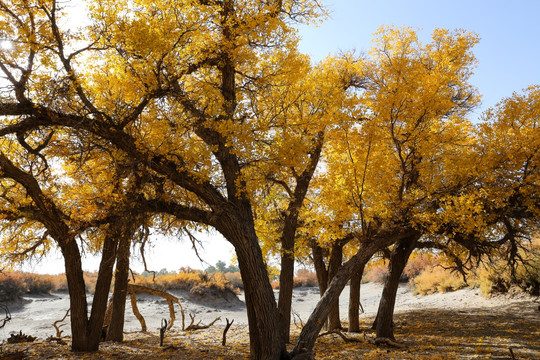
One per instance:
(385, 314)
(115, 330)
(86, 332)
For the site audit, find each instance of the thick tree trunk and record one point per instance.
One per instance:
(398, 260)
(115, 329)
(266, 342)
(336, 258)
(354, 300)
(77, 297)
(86, 332)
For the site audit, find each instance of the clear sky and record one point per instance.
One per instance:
(508, 53)
(508, 60)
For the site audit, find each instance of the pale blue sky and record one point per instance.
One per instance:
(508, 56)
(508, 53)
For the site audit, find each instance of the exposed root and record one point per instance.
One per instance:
(345, 338)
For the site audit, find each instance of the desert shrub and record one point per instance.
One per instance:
(11, 286)
(305, 278)
(417, 263)
(375, 272)
(437, 279)
(90, 279)
(235, 279)
(196, 282)
(38, 284)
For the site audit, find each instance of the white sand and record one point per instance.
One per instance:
(36, 314)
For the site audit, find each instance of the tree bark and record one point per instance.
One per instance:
(266, 342)
(320, 267)
(115, 329)
(288, 236)
(354, 300)
(286, 284)
(398, 260)
(86, 332)
(336, 258)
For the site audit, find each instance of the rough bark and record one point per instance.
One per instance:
(398, 260)
(288, 235)
(320, 267)
(115, 329)
(354, 300)
(266, 342)
(336, 258)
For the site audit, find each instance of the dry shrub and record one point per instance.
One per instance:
(196, 282)
(437, 279)
(15, 284)
(417, 263)
(235, 279)
(90, 279)
(11, 286)
(305, 278)
(38, 284)
(375, 273)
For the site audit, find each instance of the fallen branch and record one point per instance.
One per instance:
(345, 338)
(57, 327)
(388, 342)
(58, 340)
(192, 326)
(224, 341)
(171, 299)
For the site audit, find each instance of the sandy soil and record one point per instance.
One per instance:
(35, 315)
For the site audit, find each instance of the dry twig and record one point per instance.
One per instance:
(224, 341)
(192, 326)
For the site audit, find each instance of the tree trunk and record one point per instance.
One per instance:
(86, 332)
(354, 301)
(286, 284)
(320, 267)
(398, 260)
(313, 326)
(266, 342)
(77, 297)
(290, 224)
(115, 329)
(336, 258)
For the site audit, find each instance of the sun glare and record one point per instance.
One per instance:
(6, 45)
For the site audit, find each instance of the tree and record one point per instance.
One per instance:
(387, 170)
(170, 90)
